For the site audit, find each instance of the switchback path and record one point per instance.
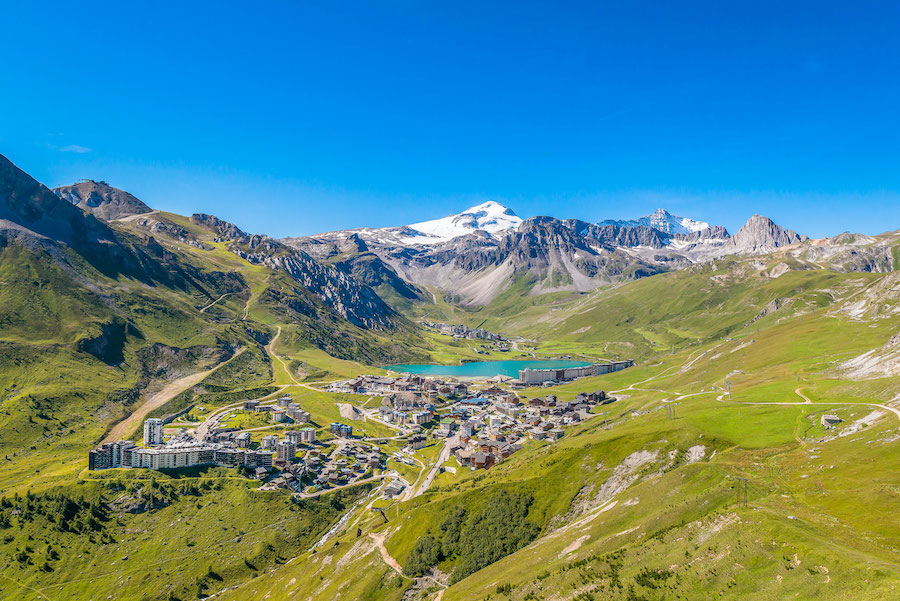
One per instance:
(803, 396)
(395, 565)
(203, 310)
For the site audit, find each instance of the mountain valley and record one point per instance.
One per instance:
(751, 452)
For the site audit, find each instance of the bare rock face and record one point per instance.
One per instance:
(714, 232)
(102, 200)
(611, 235)
(761, 235)
(355, 302)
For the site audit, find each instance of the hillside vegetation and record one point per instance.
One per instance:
(710, 476)
(740, 497)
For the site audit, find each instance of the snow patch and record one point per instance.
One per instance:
(491, 217)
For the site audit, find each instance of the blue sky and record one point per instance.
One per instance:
(291, 119)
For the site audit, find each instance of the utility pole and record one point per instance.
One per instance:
(605, 423)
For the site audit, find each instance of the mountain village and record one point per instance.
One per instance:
(472, 425)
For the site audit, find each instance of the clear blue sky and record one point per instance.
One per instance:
(291, 119)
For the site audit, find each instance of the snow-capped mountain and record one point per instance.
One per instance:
(478, 253)
(664, 221)
(491, 217)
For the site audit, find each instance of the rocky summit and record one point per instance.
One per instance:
(475, 406)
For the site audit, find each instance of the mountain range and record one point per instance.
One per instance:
(482, 251)
(471, 257)
(729, 462)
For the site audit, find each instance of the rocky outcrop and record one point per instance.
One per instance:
(32, 215)
(761, 235)
(714, 232)
(355, 302)
(611, 235)
(102, 200)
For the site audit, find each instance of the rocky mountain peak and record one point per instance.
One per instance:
(664, 221)
(491, 217)
(761, 235)
(29, 207)
(102, 200)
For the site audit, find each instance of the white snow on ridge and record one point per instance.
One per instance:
(663, 221)
(491, 217)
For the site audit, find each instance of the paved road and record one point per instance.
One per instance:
(444, 456)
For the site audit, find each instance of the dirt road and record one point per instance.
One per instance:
(158, 399)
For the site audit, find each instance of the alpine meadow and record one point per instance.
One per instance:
(559, 393)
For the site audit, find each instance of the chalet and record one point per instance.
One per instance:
(583, 410)
(417, 441)
(405, 400)
(393, 489)
(447, 425)
(510, 409)
(598, 396)
(482, 461)
(508, 449)
(489, 446)
(459, 389)
(464, 457)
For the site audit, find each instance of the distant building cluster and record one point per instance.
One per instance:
(531, 377)
(222, 446)
(461, 331)
(430, 388)
(491, 428)
(283, 410)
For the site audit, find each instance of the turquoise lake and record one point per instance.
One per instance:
(484, 369)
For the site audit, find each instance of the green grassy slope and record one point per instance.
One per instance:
(628, 512)
(632, 511)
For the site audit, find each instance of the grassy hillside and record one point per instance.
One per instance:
(710, 476)
(744, 496)
(141, 535)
